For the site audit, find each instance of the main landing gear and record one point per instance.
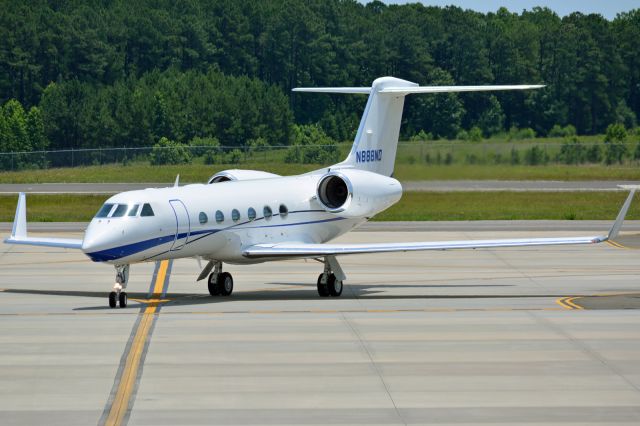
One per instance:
(330, 281)
(220, 283)
(118, 295)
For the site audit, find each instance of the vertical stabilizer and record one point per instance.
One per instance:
(375, 145)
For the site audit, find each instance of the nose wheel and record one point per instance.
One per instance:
(118, 296)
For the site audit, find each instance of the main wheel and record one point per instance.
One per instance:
(122, 298)
(323, 290)
(334, 285)
(225, 284)
(214, 288)
(113, 298)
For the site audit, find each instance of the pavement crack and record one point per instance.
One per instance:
(366, 350)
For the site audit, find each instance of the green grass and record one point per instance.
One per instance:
(54, 207)
(190, 173)
(405, 172)
(508, 206)
(413, 206)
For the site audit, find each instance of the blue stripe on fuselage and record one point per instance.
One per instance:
(133, 248)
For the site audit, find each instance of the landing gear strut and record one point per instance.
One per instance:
(118, 295)
(220, 283)
(330, 281)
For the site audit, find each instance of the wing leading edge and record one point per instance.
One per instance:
(303, 250)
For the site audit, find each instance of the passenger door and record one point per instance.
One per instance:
(183, 224)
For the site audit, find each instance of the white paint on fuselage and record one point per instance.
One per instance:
(127, 240)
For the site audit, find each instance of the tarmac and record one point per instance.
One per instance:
(508, 336)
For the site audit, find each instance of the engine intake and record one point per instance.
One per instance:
(334, 192)
(356, 193)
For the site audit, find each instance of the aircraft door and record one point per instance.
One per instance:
(183, 224)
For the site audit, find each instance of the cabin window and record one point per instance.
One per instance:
(284, 211)
(235, 215)
(134, 210)
(120, 210)
(104, 210)
(219, 216)
(251, 213)
(202, 218)
(147, 210)
(266, 211)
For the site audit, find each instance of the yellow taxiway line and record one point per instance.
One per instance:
(567, 302)
(122, 398)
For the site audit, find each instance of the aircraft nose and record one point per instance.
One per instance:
(95, 238)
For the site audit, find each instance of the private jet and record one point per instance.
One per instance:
(248, 216)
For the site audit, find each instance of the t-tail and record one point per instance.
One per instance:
(375, 145)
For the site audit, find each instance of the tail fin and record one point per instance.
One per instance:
(375, 145)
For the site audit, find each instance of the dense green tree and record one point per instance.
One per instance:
(125, 74)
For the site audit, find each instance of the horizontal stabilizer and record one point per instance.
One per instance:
(451, 89)
(404, 90)
(346, 90)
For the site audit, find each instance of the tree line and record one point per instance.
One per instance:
(119, 73)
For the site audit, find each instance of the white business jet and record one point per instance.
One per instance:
(246, 216)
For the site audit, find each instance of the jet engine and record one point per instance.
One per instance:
(357, 193)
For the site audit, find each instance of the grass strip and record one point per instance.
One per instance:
(191, 173)
(506, 205)
(414, 206)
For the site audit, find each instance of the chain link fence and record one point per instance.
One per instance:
(428, 152)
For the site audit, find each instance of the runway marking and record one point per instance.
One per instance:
(615, 244)
(567, 303)
(125, 386)
(311, 311)
(620, 245)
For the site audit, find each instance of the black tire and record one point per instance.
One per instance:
(225, 284)
(214, 289)
(334, 286)
(122, 299)
(113, 299)
(323, 291)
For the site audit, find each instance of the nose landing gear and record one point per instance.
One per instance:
(118, 295)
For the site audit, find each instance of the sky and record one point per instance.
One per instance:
(607, 8)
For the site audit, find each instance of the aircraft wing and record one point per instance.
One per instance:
(19, 231)
(302, 250)
(320, 250)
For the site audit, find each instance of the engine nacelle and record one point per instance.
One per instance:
(357, 193)
(239, 174)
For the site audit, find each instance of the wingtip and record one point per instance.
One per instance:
(615, 229)
(19, 229)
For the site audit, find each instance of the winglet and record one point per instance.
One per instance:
(613, 232)
(177, 182)
(19, 230)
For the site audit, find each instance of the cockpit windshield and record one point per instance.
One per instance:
(104, 210)
(133, 211)
(120, 210)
